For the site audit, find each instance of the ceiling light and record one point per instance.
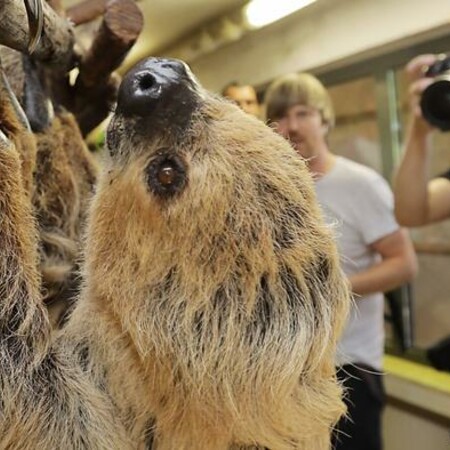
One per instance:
(262, 12)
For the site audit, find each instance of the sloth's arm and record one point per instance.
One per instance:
(24, 329)
(46, 400)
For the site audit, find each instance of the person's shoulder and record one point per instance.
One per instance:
(359, 173)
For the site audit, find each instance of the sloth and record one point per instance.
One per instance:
(212, 296)
(59, 173)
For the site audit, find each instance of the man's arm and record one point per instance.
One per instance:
(398, 265)
(417, 201)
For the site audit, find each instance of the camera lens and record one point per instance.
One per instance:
(435, 103)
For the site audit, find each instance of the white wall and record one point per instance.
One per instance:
(417, 415)
(404, 429)
(324, 34)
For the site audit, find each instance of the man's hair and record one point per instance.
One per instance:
(234, 84)
(298, 89)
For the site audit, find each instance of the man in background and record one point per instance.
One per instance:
(419, 200)
(244, 95)
(376, 254)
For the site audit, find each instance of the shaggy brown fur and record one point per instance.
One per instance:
(210, 316)
(65, 175)
(15, 124)
(60, 174)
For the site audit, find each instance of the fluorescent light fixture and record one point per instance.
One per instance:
(262, 12)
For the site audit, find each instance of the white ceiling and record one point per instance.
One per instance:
(166, 21)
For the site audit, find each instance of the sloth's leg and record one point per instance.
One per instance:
(46, 399)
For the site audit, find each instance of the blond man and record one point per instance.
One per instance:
(376, 254)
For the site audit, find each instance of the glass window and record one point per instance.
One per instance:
(361, 136)
(356, 135)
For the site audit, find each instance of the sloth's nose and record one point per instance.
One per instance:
(151, 82)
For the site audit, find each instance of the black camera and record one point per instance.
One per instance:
(435, 101)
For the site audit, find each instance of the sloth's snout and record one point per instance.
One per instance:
(155, 83)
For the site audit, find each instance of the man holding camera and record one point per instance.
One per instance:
(376, 255)
(417, 200)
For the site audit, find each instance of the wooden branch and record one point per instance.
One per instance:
(57, 39)
(95, 104)
(57, 6)
(86, 11)
(121, 26)
(96, 86)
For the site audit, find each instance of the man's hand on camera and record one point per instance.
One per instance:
(415, 70)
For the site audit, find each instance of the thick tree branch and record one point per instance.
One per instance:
(57, 6)
(56, 44)
(86, 11)
(121, 26)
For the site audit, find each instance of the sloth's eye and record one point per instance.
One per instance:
(166, 174)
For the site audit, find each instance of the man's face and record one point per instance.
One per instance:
(245, 98)
(303, 126)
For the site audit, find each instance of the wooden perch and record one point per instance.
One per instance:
(56, 44)
(95, 104)
(57, 6)
(121, 26)
(86, 11)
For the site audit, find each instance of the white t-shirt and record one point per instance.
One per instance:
(359, 203)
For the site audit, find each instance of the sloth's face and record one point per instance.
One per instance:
(198, 172)
(202, 209)
(157, 101)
